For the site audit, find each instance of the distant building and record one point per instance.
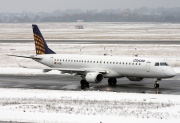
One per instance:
(80, 20)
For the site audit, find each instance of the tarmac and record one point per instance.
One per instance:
(68, 82)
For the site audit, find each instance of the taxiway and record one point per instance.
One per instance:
(68, 82)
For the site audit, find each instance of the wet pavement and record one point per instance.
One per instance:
(67, 82)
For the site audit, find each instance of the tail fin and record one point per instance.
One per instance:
(40, 44)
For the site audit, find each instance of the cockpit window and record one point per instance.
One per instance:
(157, 64)
(163, 64)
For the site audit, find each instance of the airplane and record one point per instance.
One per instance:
(94, 68)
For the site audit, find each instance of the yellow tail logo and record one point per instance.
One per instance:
(39, 44)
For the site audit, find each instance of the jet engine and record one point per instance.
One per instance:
(94, 77)
(135, 78)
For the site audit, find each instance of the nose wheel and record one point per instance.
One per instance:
(156, 85)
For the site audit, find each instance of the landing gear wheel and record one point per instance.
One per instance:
(87, 84)
(112, 81)
(156, 85)
(84, 84)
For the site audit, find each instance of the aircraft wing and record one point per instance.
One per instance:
(71, 70)
(65, 70)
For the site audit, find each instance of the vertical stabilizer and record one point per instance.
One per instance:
(40, 44)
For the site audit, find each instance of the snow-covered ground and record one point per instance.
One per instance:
(102, 31)
(26, 105)
(97, 31)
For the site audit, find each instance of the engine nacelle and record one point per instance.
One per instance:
(94, 77)
(135, 78)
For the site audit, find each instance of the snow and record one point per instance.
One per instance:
(25, 71)
(177, 70)
(94, 31)
(97, 31)
(27, 105)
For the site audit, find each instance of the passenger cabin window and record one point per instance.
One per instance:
(157, 64)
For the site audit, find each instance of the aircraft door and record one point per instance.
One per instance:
(51, 61)
(148, 66)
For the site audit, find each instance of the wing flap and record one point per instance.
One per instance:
(69, 70)
(65, 70)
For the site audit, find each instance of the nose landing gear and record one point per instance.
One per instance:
(156, 85)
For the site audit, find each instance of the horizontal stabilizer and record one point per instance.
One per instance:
(31, 57)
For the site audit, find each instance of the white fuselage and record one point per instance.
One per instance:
(114, 66)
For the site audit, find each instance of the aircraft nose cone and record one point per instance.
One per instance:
(171, 73)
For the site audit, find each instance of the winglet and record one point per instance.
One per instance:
(40, 44)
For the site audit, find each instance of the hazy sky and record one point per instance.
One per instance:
(51, 5)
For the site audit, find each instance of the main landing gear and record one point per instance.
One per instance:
(84, 84)
(112, 81)
(156, 85)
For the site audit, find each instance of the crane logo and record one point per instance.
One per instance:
(39, 44)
